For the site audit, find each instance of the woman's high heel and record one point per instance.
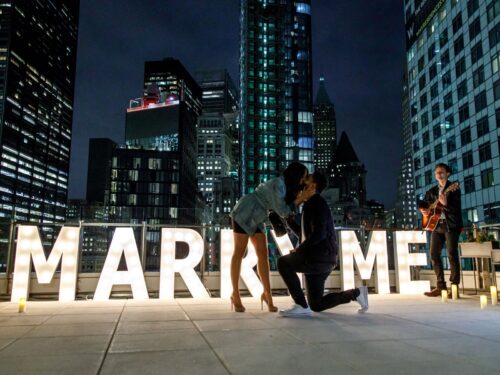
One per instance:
(237, 307)
(270, 307)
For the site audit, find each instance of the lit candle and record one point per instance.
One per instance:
(494, 295)
(22, 305)
(454, 291)
(444, 295)
(483, 300)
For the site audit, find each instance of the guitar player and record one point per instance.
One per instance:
(448, 226)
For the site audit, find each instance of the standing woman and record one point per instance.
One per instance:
(248, 217)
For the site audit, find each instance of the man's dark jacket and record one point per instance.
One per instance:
(317, 237)
(452, 210)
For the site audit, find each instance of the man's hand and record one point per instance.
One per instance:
(442, 199)
(424, 211)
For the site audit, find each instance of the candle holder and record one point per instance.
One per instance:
(454, 291)
(444, 295)
(483, 301)
(494, 295)
(22, 305)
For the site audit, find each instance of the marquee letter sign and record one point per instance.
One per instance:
(29, 246)
(377, 249)
(123, 242)
(65, 251)
(170, 265)
(404, 259)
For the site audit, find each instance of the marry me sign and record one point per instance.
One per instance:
(29, 251)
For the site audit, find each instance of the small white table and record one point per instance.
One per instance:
(476, 251)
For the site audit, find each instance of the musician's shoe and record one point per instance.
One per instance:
(436, 292)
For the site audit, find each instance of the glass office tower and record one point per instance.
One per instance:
(453, 57)
(38, 41)
(325, 129)
(276, 113)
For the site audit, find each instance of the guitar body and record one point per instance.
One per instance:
(430, 222)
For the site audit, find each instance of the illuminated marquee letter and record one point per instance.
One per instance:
(170, 265)
(284, 246)
(123, 243)
(377, 249)
(29, 245)
(404, 259)
(247, 273)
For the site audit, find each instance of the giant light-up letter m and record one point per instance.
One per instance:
(65, 250)
(377, 248)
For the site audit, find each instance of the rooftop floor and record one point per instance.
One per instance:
(399, 335)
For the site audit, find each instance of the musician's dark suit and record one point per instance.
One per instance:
(447, 231)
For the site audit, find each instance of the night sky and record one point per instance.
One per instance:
(358, 45)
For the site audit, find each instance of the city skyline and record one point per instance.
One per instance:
(362, 63)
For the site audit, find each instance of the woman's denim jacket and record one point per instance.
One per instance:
(251, 211)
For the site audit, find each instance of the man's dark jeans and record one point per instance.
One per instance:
(316, 275)
(439, 237)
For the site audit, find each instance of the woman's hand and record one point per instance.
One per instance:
(305, 194)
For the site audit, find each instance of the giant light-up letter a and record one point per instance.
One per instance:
(123, 242)
(404, 260)
(377, 248)
(30, 245)
(170, 265)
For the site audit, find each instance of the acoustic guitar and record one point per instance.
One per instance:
(430, 221)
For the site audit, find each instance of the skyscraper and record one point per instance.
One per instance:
(38, 41)
(153, 177)
(276, 113)
(217, 130)
(219, 94)
(405, 213)
(453, 63)
(347, 173)
(325, 129)
(167, 80)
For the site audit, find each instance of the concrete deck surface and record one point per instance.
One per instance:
(399, 335)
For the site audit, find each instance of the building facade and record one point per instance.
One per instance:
(276, 115)
(217, 130)
(219, 94)
(453, 58)
(405, 213)
(215, 158)
(152, 178)
(168, 80)
(325, 129)
(347, 173)
(38, 42)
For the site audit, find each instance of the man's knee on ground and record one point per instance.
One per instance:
(315, 306)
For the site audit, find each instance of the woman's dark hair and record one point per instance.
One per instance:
(444, 166)
(292, 175)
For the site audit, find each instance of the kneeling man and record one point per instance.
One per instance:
(315, 257)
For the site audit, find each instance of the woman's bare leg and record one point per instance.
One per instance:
(259, 241)
(240, 245)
